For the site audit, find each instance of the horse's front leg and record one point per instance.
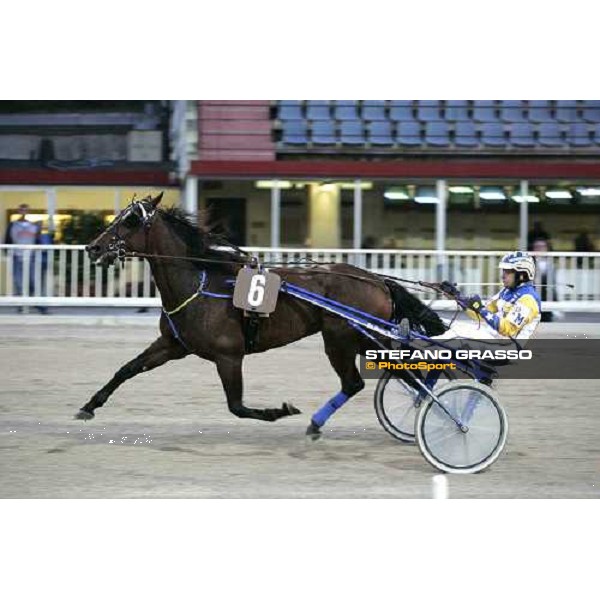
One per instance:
(158, 353)
(230, 372)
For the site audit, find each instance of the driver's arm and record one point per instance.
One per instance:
(524, 311)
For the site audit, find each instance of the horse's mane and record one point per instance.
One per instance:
(199, 237)
(418, 313)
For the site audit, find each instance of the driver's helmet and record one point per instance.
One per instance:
(519, 261)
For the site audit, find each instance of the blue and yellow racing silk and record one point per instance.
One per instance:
(513, 313)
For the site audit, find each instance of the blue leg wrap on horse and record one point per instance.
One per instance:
(321, 416)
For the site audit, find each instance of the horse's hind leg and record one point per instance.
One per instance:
(158, 353)
(341, 351)
(230, 372)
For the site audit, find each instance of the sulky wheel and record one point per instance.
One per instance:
(466, 432)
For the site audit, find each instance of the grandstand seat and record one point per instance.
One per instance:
(352, 133)
(521, 135)
(492, 134)
(591, 111)
(295, 132)
(566, 111)
(323, 132)
(379, 133)
(597, 135)
(429, 110)
(408, 133)
(289, 110)
(550, 135)
(578, 135)
(437, 133)
(457, 110)
(465, 134)
(484, 111)
(539, 111)
(318, 110)
(346, 110)
(512, 111)
(401, 110)
(373, 110)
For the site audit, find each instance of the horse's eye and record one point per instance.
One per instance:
(131, 220)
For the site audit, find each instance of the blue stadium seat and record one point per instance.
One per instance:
(408, 133)
(429, 110)
(379, 133)
(512, 111)
(437, 133)
(352, 133)
(318, 110)
(401, 110)
(591, 111)
(578, 135)
(521, 135)
(346, 110)
(323, 132)
(540, 112)
(550, 135)
(492, 134)
(373, 110)
(295, 132)
(290, 110)
(484, 111)
(457, 110)
(465, 135)
(566, 111)
(597, 135)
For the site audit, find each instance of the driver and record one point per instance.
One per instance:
(513, 313)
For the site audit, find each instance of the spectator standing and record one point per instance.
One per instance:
(583, 243)
(23, 231)
(537, 232)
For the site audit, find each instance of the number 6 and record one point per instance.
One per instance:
(257, 290)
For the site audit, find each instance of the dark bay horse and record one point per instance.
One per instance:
(212, 328)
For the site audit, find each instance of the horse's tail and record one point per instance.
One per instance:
(408, 306)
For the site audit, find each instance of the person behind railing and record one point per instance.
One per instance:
(537, 232)
(24, 231)
(583, 243)
(545, 276)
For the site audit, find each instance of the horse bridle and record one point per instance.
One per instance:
(117, 243)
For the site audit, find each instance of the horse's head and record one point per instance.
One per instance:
(127, 233)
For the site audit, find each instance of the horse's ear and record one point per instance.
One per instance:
(156, 200)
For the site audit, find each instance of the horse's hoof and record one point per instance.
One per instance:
(84, 415)
(314, 431)
(291, 409)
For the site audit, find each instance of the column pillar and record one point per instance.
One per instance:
(190, 199)
(357, 237)
(440, 228)
(524, 215)
(324, 215)
(275, 215)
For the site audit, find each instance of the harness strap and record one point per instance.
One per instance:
(199, 292)
(174, 330)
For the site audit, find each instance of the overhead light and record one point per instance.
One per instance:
(460, 189)
(492, 196)
(559, 194)
(588, 191)
(396, 194)
(530, 199)
(350, 185)
(426, 195)
(273, 183)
